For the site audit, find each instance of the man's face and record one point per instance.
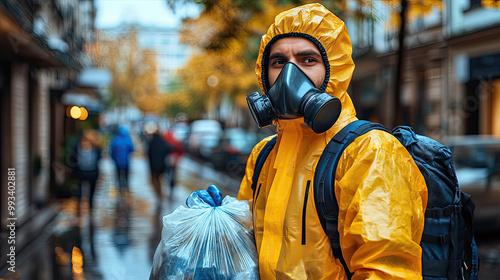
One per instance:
(301, 51)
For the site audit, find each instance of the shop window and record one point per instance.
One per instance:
(473, 4)
(493, 107)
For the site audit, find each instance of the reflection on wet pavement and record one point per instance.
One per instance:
(118, 238)
(120, 241)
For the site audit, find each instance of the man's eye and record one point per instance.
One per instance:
(277, 62)
(309, 60)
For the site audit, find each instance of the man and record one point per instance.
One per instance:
(379, 189)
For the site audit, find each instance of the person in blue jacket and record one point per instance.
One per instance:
(120, 148)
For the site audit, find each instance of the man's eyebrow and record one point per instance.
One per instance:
(277, 55)
(308, 52)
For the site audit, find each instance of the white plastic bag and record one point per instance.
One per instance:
(205, 242)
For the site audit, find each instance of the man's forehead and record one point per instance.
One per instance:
(294, 45)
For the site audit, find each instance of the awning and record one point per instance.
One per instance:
(94, 77)
(78, 97)
(16, 42)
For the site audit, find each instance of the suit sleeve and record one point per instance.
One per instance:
(382, 198)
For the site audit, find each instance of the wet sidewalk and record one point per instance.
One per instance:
(120, 241)
(117, 241)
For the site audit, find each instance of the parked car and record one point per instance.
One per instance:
(477, 163)
(180, 131)
(476, 158)
(204, 136)
(231, 153)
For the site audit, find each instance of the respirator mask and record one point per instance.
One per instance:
(292, 96)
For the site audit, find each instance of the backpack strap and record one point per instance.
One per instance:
(324, 182)
(470, 252)
(261, 159)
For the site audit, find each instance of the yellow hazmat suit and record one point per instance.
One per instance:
(380, 191)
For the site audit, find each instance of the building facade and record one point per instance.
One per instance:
(449, 76)
(473, 68)
(171, 54)
(41, 54)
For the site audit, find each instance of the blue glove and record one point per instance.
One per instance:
(211, 196)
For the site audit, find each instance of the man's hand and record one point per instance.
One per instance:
(211, 196)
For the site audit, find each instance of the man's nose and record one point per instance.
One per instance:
(294, 61)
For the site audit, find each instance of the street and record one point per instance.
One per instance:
(125, 251)
(125, 242)
(86, 85)
(120, 241)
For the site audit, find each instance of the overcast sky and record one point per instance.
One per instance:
(111, 13)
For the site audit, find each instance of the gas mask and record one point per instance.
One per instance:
(292, 96)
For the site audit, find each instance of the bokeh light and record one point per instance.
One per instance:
(75, 112)
(84, 114)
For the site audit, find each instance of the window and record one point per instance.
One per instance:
(474, 4)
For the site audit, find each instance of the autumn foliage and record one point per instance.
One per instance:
(134, 70)
(227, 36)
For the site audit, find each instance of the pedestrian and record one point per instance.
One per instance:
(380, 191)
(173, 157)
(120, 149)
(84, 162)
(158, 151)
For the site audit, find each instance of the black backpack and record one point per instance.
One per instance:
(449, 250)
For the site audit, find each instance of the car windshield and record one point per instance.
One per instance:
(239, 139)
(476, 158)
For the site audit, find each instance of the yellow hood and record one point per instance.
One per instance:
(329, 33)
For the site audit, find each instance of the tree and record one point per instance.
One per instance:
(401, 12)
(134, 70)
(399, 63)
(226, 36)
(490, 4)
(396, 14)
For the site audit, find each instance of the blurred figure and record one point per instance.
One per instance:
(120, 149)
(157, 153)
(84, 159)
(173, 157)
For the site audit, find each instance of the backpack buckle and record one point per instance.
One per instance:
(442, 239)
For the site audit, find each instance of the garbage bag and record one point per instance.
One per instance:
(205, 242)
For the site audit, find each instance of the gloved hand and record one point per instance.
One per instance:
(212, 196)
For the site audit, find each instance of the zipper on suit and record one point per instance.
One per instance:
(304, 212)
(256, 195)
